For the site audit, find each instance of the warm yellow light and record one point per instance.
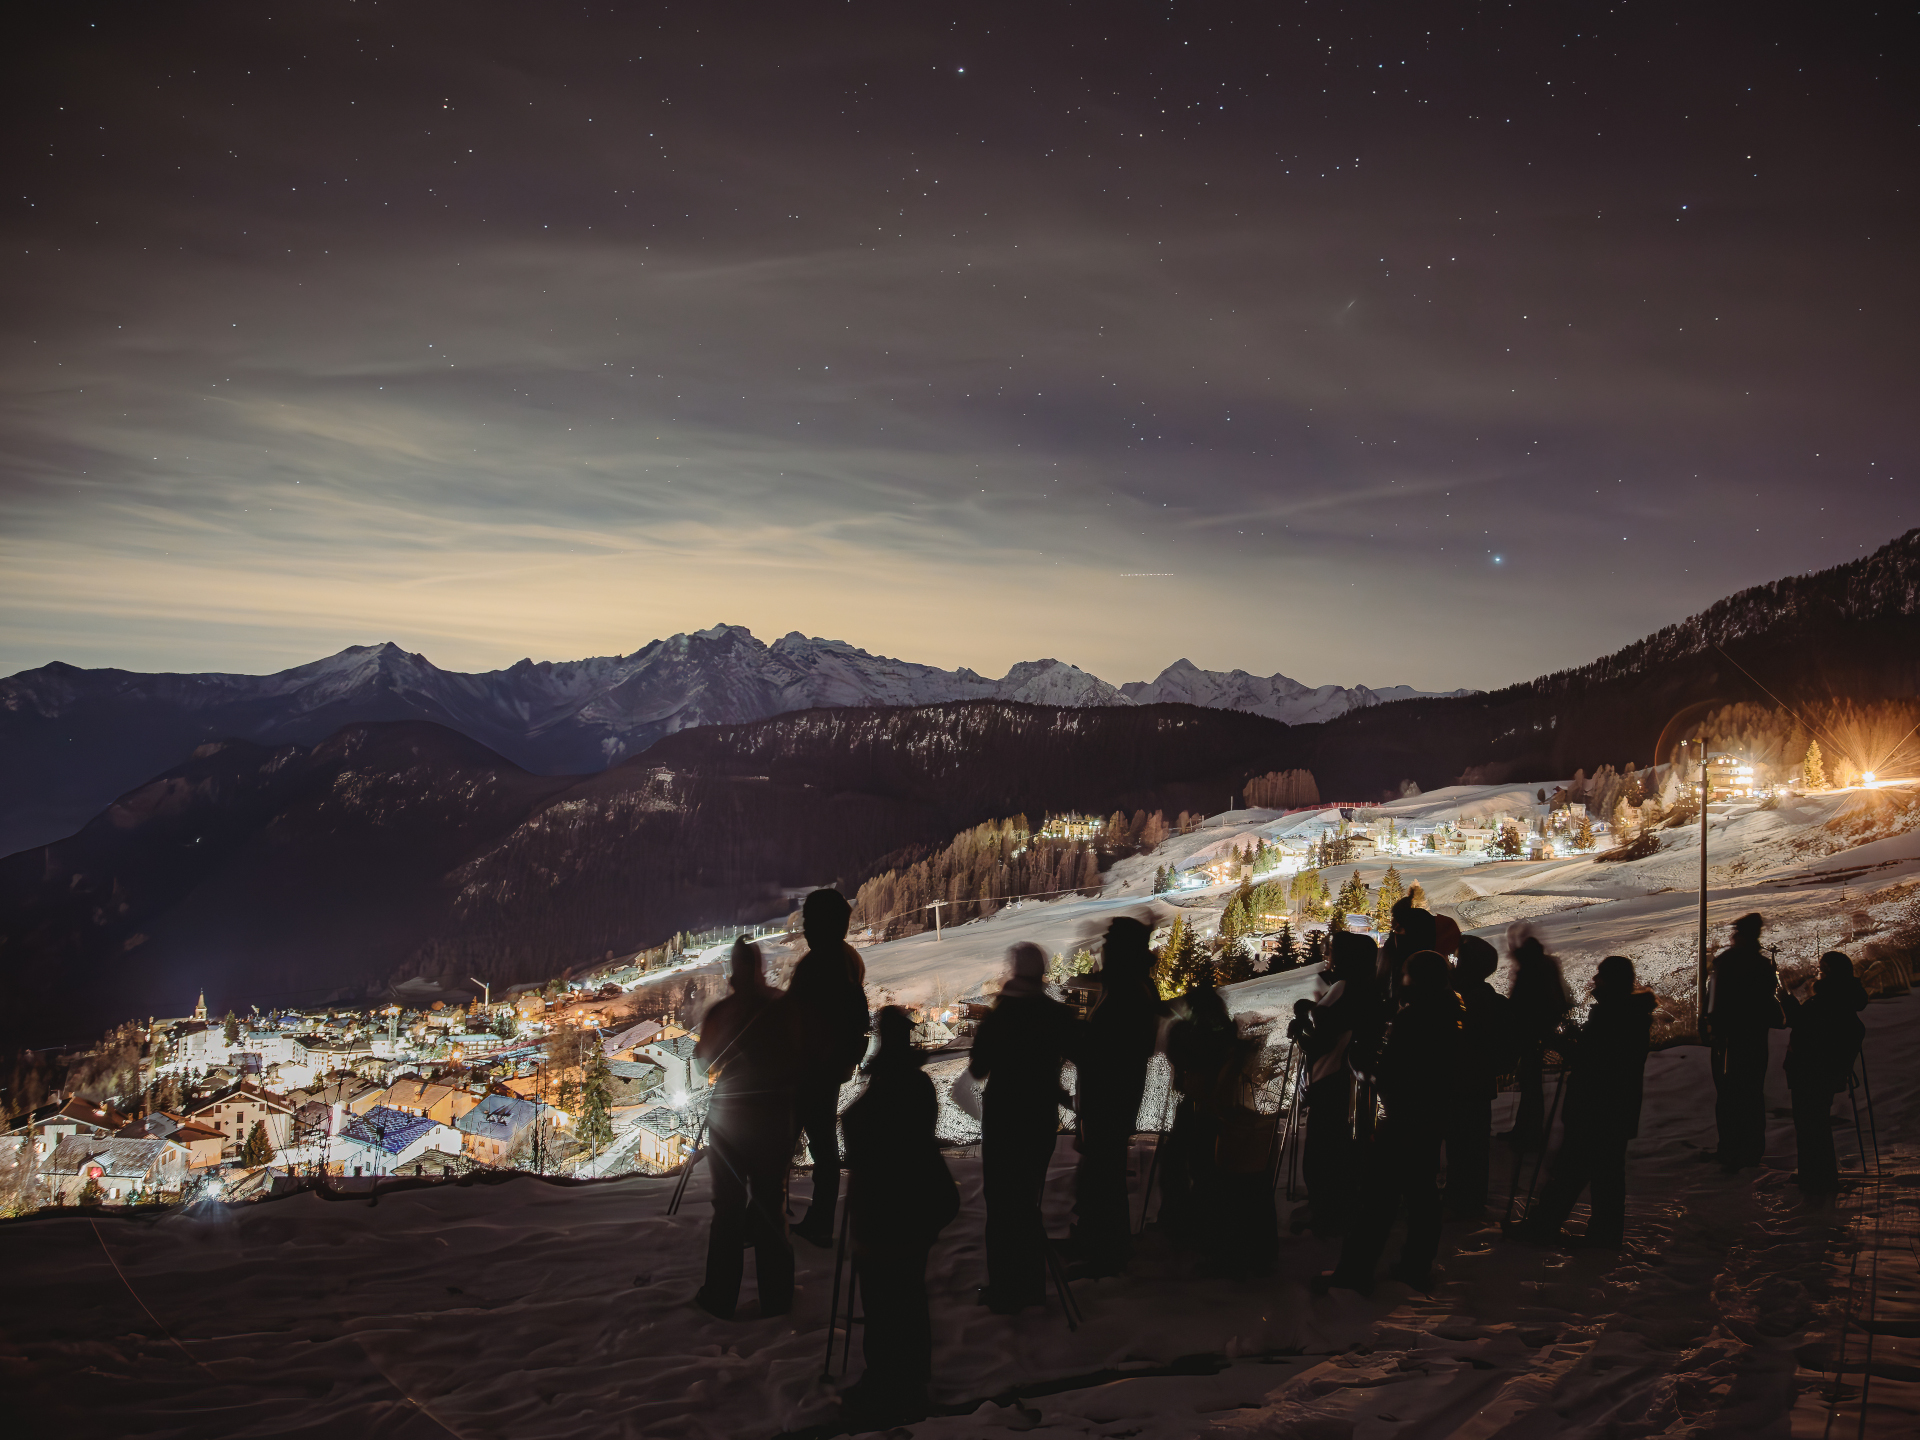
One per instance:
(1867, 779)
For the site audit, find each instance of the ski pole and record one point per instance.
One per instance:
(686, 1170)
(1069, 1306)
(1546, 1132)
(1866, 1087)
(833, 1305)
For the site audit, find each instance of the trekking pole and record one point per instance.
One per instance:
(1069, 1306)
(1299, 1104)
(686, 1170)
(833, 1305)
(1545, 1134)
(853, 1288)
(1873, 1129)
(1859, 1136)
(1153, 1165)
(1283, 1116)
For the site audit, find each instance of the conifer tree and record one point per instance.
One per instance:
(90, 1193)
(596, 1114)
(259, 1147)
(1814, 767)
(1287, 955)
(232, 1031)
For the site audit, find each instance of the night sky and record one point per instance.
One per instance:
(1427, 344)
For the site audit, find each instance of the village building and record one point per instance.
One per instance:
(497, 1127)
(120, 1168)
(665, 1137)
(383, 1140)
(234, 1111)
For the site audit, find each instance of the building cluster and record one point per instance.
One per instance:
(226, 1107)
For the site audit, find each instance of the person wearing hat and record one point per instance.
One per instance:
(900, 1196)
(1826, 1037)
(829, 996)
(1742, 1009)
(748, 1044)
(1120, 1037)
(1018, 1050)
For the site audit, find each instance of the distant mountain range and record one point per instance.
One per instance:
(71, 739)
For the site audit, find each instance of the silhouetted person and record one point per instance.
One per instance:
(1826, 1037)
(1371, 1013)
(1238, 1231)
(748, 1043)
(828, 993)
(1538, 1006)
(1486, 1034)
(1120, 1037)
(1325, 1035)
(1410, 930)
(1605, 1075)
(1018, 1050)
(1417, 1071)
(900, 1196)
(1742, 1010)
(1199, 1048)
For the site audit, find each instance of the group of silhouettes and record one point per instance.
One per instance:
(1397, 1062)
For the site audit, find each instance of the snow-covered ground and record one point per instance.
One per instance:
(1807, 866)
(528, 1309)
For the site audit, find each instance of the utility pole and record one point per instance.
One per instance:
(935, 907)
(1702, 978)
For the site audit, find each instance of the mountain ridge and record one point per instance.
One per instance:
(72, 739)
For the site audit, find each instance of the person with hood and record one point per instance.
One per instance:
(1121, 1034)
(829, 996)
(1743, 1007)
(1538, 1006)
(1325, 1034)
(900, 1196)
(749, 1046)
(1605, 1079)
(1486, 1043)
(1018, 1051)
(1418, 1068)
(1827, 1034)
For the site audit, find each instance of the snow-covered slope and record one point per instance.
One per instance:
(531, 1310)
(1276, 696)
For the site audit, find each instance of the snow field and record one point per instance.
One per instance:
(526, 1309)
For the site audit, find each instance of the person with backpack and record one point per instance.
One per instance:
(1827, 1034)
(900, 1196)
(829, 997)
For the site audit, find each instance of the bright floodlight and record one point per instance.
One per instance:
(1867, 779)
